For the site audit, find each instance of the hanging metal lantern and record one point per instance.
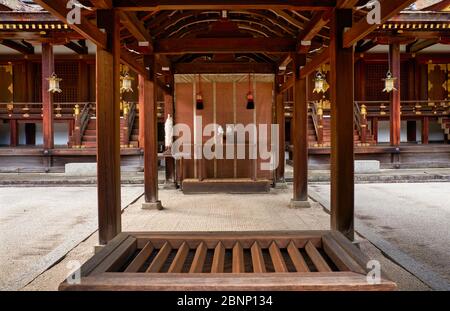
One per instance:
(389, 83)
(53, 82)
(320, 83)
(126, 83)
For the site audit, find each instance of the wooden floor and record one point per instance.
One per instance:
(252, 261)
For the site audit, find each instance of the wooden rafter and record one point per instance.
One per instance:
(361, 29)
(85, 28)
(204, 68)
(151, 5)
(19, 47)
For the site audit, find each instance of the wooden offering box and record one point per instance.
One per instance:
(211, 261)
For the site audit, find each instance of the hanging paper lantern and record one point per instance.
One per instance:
(389, 83)
(199, 97)
(53, 82)
(250, 97)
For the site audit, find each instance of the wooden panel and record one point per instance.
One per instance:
(264, 115)
(339, 256)
(238, 259)
(160, 259)
(257, 259)
(178, 261)
(117, 258)
(316, 258)
(219, 259)
(140, 259)
(277, 258)
(245, 167)
(297, 258)
(199, 258)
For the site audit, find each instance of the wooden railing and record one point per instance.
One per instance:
(129, 116)
(22, 110)
(81, 122)
(430, 108)
(317, 121)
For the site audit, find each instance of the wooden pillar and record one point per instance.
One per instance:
(48, 68)
(342, 126)
(13, 131)
(300, 136)
(281, 121)
(170, 161)
(108, 128)
(375, 129)
(141, 110)
(150, 138)
(395, 117)
(425, 130)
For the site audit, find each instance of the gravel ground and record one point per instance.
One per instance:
(40, 225)
(412, 217)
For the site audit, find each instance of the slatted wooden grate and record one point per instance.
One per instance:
(227, 261)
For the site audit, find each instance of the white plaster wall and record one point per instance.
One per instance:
(61, 135)
(436, 133)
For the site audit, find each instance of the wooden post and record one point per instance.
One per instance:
(170, 161)
(281, 121)
(150, 139)
(141, 110)
(342, 126)
(395, 117)
(425, 131)
(13, 141)
(108, 128)
(300, 138)
(375, 129)
(48, 68)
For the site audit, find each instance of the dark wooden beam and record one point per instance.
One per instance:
(346, 4)
(314, 26)
(137, 29)
(342, 126)
(225, 45)
(420, 45)
(315, 62)
(85, 28)
(48, 68)
(190, 68)
(300, 138)
(151, 5)
(79, 49)
(19, 47)
(108, 128)
(389, 8)
(102, 4)
(362, 48)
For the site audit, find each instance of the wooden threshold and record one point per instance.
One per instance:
(226, 185)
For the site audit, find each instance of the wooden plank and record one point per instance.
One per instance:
(117, 258)
(258, 263)
(218, 259)
(160, 259)
(92, 263)
(180, 257)
(199, 258)
(297, 258)
(238, 265)
(316, 281)
(339, 256)
(277, 258)
(316, 258)
(140, 259)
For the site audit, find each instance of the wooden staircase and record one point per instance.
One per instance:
(445, 124)
(89, 137)
(313, 140)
